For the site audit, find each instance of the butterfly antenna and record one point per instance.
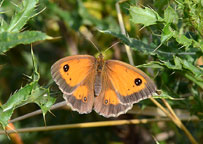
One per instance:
(111, 46)
(94, 45)
(87, 38)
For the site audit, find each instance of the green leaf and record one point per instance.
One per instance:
(4, 25)
(9, 40)
(177, 66)
(44, 100)
(133, 43)
(152, 64)
(195, 70)
(35, 75)
(31, 93)
(5, 116)
(167, 33)
(165, 95)
(145, 48)
(144, 16)
(21, 18)
(19, 98)
(199, 44)
(198, 81)
(182, 39)
(170, 15)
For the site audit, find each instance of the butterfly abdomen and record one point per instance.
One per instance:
(97, 84)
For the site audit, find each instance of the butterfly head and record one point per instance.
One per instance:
(100, 57)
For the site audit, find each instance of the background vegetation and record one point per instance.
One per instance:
(165, 40)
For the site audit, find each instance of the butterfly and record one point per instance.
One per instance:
(109, 87)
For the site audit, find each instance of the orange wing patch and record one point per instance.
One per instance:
(71, 71)
(126, 81)
(81, 93)
(74, 71)
(110, 97)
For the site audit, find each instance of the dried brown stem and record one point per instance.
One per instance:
(177, 122)
(122, 27)
(89, 125)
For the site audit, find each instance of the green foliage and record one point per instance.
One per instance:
(144, 16)
(24, 13)
(9, 40)
(166, 42)
(10, 34)
(30, 93)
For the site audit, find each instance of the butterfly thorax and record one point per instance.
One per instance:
(100, 63)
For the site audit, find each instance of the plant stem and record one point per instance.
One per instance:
(89, 125)
(178, 123)
(37, 112)
(122, 27)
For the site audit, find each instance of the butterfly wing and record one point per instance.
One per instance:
(75, 76)
(107, 102)
(82, 98)
(130, 83)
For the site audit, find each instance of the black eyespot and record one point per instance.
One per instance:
(66, 68)
(138, 81)
(106, 101)
(70, 79)
(85, 98)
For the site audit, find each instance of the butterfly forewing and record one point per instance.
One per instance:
(70, 71)
(130, 83)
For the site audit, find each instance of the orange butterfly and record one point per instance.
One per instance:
(109, 87)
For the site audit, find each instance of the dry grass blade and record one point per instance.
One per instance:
(91, 124)
(177, 122)
(122, 27)
(37, 112)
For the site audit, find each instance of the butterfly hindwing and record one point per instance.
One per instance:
(130, 83)
(107, 102)
(82, 98)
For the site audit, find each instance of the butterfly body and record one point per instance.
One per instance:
(109, 87)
